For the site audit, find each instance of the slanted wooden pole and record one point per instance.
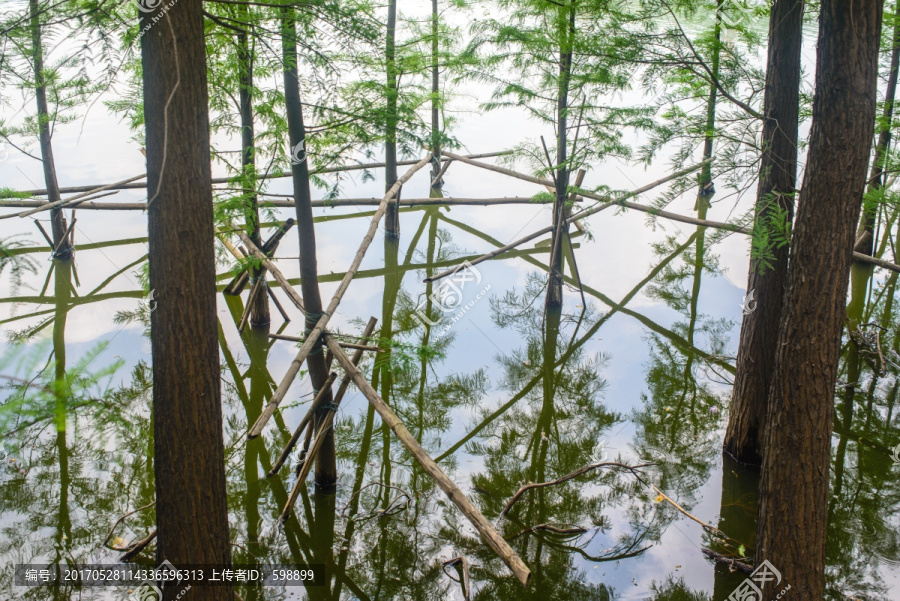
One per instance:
(488, 534)
(317, 331)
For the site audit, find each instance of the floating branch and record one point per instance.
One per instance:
(462, 567)
(318, 330)
(487, 532)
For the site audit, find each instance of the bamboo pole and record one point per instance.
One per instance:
(65, 201)
(276, 273)
(309, 457)
(307, 419)
(285, 204)
(349, 345)
(317, 331)
(572, 219)
(484, 528)
(127, 185)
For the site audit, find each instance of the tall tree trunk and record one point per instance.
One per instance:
(778, 175)
(259, 309)
(392, 215)
(57, 219)
(191, 501)
(554, 296)
(791, 529)
(865, 237)
(326, 467)
(436, 183)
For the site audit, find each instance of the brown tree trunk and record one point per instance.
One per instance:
(778, 175)
(436, 182)
(259, 309)
(865, 237)
(191, 502)
(796, 460)
(326, 468)
(392, 216)
(63, 250)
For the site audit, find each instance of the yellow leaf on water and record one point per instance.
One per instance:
(660, 498)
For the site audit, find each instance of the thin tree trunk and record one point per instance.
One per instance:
(392, 216)
(865, 237)
(57, 219)
(554, 297)
(791, 529)
(259, 310)
(778, 175)
(191, 501)
(436, 182)
(326, 468)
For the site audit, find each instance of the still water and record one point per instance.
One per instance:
(635, 370)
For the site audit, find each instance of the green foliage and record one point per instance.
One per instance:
(771, 231)
(17, 265)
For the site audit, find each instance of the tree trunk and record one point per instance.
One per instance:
(392, 216)
(865, 237)
(554, 297)
(63, 250)
(191, 502)
(791, 529)
(326, 468)
(778, 174)
(436, 183)
(259, 309)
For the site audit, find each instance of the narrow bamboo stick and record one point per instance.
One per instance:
(65, 201)
(350, 345)
(260, 281)
(307, 462)
(275, 300)
(126, 185)
(287, 204)
(570, 220)
(317, 331)
(484, 528)
(307, 419)
(270, 267)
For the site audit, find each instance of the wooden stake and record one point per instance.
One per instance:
(65, 201)
(317, 331)
(269, 265)
(275, 300)
(484, 528)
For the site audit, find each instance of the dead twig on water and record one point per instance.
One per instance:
(116, 525)
(575, 530)
(462, 566)
(138, 547)
(732, 563)
(634, 469)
